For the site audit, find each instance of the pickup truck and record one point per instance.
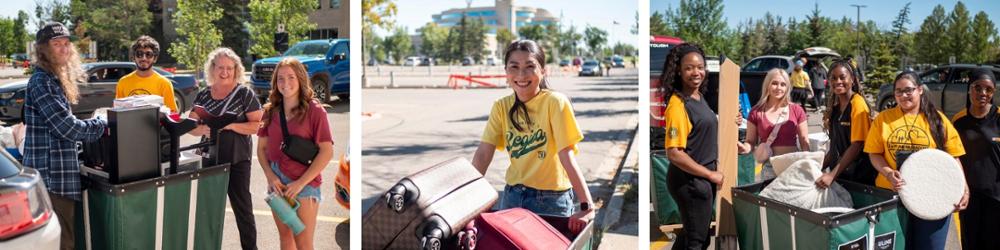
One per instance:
(326, 61)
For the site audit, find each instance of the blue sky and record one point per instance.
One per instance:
(882, 12)
(600, 13)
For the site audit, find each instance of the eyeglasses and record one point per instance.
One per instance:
(140, 55)
(905, 91)
(983, 90)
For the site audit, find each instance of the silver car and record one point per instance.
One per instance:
(946, 86)
(27, 220)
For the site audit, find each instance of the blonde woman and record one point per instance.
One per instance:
(776, 114)
(52, 130)
(227, 95)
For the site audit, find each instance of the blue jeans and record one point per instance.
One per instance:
(928, 234)
(307, 191)
(542, 202)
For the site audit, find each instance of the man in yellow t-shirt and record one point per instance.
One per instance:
(801, 85)
(144, 80)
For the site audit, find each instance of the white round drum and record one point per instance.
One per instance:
(934, 184)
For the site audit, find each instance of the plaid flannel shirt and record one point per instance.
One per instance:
(52, 133)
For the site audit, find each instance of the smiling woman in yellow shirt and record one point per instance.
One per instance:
(537, 128)
(898, 132)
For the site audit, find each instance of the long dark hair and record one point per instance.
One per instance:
(831, 100)
(926, 108)
(539, 54)
(671, 81)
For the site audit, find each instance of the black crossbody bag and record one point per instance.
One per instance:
(300, 149)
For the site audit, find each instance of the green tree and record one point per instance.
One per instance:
(473, 39)
(434, 40)
(268, 15)
(595, 38)
(21, 35)
(959, 34)
(624, 49)
(699, 21)
(198, 35)
(504, 37)
(115, 24)
(883, 70)
(817, 26)
(569, 41)
(532, 32)
(984, 45)
(657, 25)
(902, 41)
(929, 40)
(374, 13)
(233, 26)
(53, 11)
(775, 35)
(398, 45)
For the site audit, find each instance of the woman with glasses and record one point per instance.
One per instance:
(979, 127)
(228, 96)
(537, 128)
(896, 133)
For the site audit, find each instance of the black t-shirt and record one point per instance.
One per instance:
(232, 146)
(860, 170)
(982, 161)
(702, 138)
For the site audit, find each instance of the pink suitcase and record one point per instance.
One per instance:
(516, 228)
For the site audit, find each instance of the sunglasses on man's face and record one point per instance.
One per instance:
(145, 54)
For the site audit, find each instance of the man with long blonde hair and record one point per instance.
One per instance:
(52, 129)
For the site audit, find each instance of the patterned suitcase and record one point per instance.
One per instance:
(406, 204)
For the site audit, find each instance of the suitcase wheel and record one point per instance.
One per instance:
(430, 243)
(396, 199)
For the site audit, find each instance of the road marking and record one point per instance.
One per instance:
(660, 243)
(318, 218)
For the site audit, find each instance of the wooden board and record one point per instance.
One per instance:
(729, 85)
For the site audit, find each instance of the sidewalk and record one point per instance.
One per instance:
(12, 73)
(619, 219)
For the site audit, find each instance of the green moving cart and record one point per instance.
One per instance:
(180, 211)
(763, 223)
(663, 204)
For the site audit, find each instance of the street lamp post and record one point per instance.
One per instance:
(858, 31)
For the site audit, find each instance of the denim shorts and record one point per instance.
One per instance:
(307, 191)
(542, 202)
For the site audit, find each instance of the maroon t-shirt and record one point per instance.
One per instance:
(315, 127)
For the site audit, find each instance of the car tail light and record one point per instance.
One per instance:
(22, 211)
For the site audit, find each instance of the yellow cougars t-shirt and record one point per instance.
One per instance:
(892, 131)
(132, 84)
(534, 159)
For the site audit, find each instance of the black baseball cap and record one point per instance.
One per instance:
(51, 31)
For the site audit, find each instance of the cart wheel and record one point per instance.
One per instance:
(671, 236)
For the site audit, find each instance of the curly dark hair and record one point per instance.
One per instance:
(144, 42)
(670, 80)
(831, 99)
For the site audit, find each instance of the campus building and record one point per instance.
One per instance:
(504, 14)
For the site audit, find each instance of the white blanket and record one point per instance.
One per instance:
(796, 186)
(782, 162)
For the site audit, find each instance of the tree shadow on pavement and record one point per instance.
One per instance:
(473, 119)
(605, 112)
(606, 135)
(612, 89)
(604, 99)
(400, 150)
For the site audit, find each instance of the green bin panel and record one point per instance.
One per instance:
(123, 216)
(664, 205)
(819, 231)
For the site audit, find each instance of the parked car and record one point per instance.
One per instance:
(491, 61)
(19, 59)
(411, 61)
(468, 61)
(617, 62)
(98, 91)
(27, 219)
(591, 68)
(765, 63)
(427, 61)
(326, 61)
(563, 62)
(946, 86)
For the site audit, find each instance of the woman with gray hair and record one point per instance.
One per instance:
(228, 98)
